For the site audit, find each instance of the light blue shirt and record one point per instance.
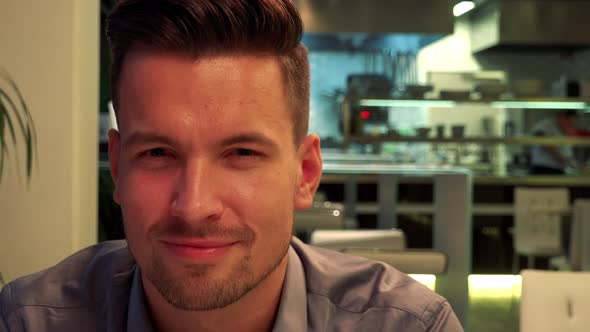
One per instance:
(292, 313)
(99, 289)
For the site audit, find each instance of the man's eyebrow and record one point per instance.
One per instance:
(253, 138)
(140, 137)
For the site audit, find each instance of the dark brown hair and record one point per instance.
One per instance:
(214, 27)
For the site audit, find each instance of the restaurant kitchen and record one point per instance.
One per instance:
(413, 84)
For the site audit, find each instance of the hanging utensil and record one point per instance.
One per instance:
(414, 68)
(414, 71)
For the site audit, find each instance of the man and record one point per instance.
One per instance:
(211, 159)
(552, 160)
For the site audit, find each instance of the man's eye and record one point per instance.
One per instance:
(157, 152)
(245, 152)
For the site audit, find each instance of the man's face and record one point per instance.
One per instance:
(207, 174)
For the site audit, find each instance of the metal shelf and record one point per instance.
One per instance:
(541, 103)
(522, 140)
(580, 180)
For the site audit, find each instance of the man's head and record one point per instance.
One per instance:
(197, 28)
(210, 97)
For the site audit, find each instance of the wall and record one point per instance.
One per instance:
(51, 49)
(450, 54)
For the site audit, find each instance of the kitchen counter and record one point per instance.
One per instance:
(516, 180)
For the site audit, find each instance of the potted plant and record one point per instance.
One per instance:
(16, 124)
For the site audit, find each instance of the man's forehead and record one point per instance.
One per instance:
(147, 137)
(146, 68)
(227, 90)
(140, 53)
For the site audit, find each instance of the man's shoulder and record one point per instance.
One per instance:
(354, 285)
(78, 281)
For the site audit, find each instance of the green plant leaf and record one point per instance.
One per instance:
(2, 142)
(15, 111)
(29, 154)
(1, 161)
(8, 110)
(3, 154)
(25, 109)
(2, 126)
(6, 120)
(3, 147)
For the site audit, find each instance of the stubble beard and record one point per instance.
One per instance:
(197, 291)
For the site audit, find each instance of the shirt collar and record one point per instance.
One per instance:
(137, 317)
(291, 316)
(292, 313)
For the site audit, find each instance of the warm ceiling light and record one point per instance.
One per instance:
(463, 7)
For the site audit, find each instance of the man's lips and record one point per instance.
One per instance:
(198, 249)
(200, 243)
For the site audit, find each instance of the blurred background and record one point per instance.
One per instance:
(461, 125)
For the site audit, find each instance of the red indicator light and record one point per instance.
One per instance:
(365, 115)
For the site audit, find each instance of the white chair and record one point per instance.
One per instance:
(392, 239)
(555, 301)
(537, 222)
(384, 245)
(579, 255)
(322, 215)
(408, 261)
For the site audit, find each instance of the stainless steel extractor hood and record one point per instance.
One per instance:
(531, 26)
(377, 16)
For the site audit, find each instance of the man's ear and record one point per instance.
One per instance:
(114, 146)
(311, 171)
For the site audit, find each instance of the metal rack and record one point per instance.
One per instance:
(522, 140)
(537, 103)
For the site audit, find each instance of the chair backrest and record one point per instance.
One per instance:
(537, 220)
(362, 238)
(579, 235)
(555, 301)
(322, 215)
(407, 261)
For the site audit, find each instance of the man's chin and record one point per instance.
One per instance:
(201, 286)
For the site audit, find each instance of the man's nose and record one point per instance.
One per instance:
(196, 198)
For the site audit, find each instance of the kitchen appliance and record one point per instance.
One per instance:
(532, 26)
(491, 90)
(422, 132)
(524, 88)
(440, 131)
(417, 91)
(368, 120)
(458, 131)
(458, 95)
(368, 85)
(377, 16)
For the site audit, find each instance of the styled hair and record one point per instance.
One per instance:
(201, 28)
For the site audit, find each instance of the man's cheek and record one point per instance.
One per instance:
(148, 187)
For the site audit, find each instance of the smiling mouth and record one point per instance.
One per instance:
(198, 250)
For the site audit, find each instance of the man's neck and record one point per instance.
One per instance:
(255, 311)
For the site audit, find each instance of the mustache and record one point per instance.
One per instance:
(182, 229)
